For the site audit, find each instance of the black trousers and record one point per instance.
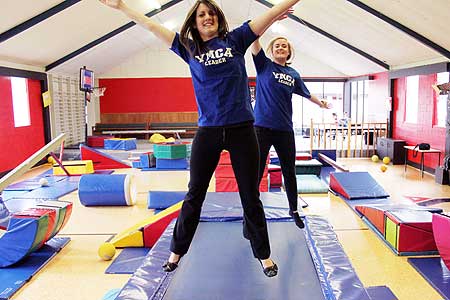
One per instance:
(207, 145)
(284, 144)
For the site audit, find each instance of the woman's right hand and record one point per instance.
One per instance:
(112, 3)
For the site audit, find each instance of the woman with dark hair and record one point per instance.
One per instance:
(276, 82)
(216, 60)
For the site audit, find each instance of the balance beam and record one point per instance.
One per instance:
(333, 163)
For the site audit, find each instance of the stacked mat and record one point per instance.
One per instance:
(171, 156)
(226, 180)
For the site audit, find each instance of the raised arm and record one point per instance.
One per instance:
(262, 22)
(157, 29)
(320, 103)
(255, 47)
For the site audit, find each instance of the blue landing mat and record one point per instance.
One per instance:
(358, 185)
(127, 261)
(231, 278)
(300, 254)
(226, 206)
(380, 293)
(435, 272)
(14, 277)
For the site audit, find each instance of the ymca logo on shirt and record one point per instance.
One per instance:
(214, 57)
(284, 79)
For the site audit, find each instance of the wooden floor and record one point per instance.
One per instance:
(78, 273)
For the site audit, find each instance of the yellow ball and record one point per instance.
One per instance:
(51, 160)
(375, 158)
(386, 160)
(106, 251)
(383, 168)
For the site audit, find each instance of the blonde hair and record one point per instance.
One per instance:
(291, 55)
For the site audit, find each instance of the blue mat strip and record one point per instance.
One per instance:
(435, 272)
(339, 279)
(381, 293)
(128, 261)
(14, 277)
(150, 280)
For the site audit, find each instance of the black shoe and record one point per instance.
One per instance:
(170, 266)
(269, 271)
(298, 221)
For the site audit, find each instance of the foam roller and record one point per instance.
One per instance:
(107, 190)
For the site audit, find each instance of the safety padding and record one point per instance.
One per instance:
(175, 164)
(147, 232)
(312, 166)
(441, 229)
(74, 167)
(170, 151)
(164, 199)
(409, 231)
(30, 229)
(107, 190)
(120, 144)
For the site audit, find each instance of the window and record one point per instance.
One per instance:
(21, 104)
(359, 102)
(441, 101)
(304, 110)
(412, 99)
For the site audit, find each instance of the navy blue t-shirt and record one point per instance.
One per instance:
(275, 85)
(220, 78)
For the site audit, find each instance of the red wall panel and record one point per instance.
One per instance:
(134, 95)
(425, 131)
(378, 87)
(17, 144)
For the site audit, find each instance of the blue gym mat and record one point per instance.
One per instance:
(310, 184)
(16, 199)
(127, 261)
(358, 185)
(301, 256)
(231, 276)
(14, 277)
(226, 206)
(381, 293)
(33, 183)
(435, 272)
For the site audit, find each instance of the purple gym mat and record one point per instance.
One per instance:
(380, 293)
(435, 272)
(127, 261)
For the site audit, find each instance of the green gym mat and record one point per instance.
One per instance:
(310, 184)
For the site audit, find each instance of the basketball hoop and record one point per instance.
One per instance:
(98, 91)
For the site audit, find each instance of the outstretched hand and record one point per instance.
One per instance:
(112, 3)
(285, 14)
(325, 104)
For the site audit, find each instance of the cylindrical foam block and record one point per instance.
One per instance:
(107, 190)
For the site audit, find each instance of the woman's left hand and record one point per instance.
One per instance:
(285, 14)
(325, 104)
